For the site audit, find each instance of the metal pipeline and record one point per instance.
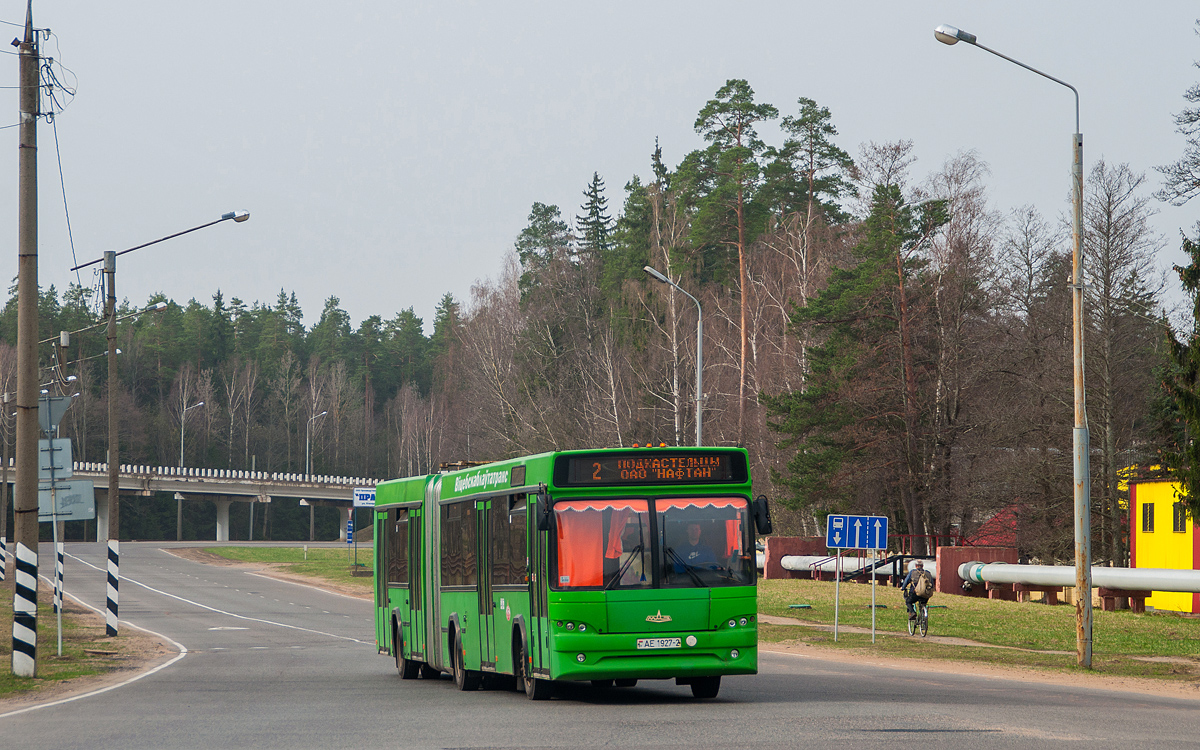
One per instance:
(850, 565)
(1129, 579)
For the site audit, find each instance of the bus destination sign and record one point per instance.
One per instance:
(658, 468)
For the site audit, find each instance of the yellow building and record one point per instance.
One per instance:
(1162, 536)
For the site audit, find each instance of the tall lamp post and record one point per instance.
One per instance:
(179, 497)
(699, 350)
(1082, 472)
(114, 468)
(312, 516)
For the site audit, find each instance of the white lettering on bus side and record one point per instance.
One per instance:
(483, 479)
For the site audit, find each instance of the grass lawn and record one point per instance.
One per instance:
(1116, 636)
(333, 565)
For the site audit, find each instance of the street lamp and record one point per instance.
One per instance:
(699, 350)
(1082, 472)
(182, 421)
(312, 515)
(114, 468)
(179, 497)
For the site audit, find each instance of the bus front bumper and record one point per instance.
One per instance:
(617, 656)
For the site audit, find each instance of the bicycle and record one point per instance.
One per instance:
(921, 622)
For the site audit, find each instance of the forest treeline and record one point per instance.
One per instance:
(881, 341)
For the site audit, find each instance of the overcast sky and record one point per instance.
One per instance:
(389, 152)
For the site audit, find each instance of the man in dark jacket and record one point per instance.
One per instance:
(909, 587)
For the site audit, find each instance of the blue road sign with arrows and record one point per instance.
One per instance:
(856, 532)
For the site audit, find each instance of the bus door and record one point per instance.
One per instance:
(416, 578)
(487, 634)
(431, 580)
(539, 567)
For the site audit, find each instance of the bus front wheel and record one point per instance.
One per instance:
(536, 689)
(706, 687)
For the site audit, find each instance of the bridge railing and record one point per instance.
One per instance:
(233, 475)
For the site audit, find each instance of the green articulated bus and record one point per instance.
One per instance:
(609, 566)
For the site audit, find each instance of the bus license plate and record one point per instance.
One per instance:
(659, 643)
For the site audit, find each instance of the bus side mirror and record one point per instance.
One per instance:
(543, 509)
(762, 515)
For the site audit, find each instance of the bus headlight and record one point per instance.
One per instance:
(742, 621)
(732, 654)
(580, 658)
(571, 626)
(732, 623)
(582, 627)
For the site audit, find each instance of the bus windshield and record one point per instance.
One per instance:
(603, 543)
(704, 541)
(607, 543)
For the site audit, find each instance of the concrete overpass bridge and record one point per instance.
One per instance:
(222, 487)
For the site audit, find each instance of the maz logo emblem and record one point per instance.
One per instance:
(660, 617)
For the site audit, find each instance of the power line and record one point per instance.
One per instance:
(62, 183)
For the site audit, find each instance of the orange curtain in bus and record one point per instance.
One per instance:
(733, 536)
(615, 528)
(580, 547)
(680, 503)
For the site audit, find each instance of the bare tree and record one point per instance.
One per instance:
(285, 387)
(960, 293)
(1122, 293)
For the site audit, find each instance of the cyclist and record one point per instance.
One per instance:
(917, 578)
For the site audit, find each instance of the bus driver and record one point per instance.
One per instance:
(693, 554)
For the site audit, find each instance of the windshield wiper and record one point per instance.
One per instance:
(636, 551)
(687, 568)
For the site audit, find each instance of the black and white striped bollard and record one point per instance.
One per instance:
(58, 578)
(24, 653)
(114, 556)
(3, 556)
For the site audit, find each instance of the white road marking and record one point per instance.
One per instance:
(229, 614)
(182, 653)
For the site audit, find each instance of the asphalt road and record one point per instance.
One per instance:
(271, 664)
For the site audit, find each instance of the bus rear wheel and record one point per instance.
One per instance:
(706, 687)
(536, 689)
(465, 679)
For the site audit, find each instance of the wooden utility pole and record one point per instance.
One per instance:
(25, 500)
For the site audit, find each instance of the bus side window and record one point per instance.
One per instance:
(397, 547)
(458, 544)
(508, 540)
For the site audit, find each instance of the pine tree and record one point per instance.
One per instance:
(856, 424)
(1179, 412)
(809, 176)
(727, 123)
(546, 237)
(595, 224)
